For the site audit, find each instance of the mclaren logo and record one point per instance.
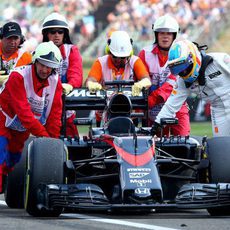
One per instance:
(137, 175)
(86, 93)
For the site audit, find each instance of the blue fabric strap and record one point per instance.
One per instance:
(7, 157)
(3, 149)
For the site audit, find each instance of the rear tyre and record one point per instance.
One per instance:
(46, 157)
(14, 192)
(218, 150)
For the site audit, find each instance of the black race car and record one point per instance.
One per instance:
(120, 166)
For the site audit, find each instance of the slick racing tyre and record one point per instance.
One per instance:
(14, 192)
(45, 165)
(219, 156)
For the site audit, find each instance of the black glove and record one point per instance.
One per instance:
(155, 128)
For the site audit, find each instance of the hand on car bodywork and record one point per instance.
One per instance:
(67, 88)
(94, 86)
(138, 86)
(155, 128)
(3, 76)
(2, 72)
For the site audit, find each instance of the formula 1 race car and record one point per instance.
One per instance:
(120, 166)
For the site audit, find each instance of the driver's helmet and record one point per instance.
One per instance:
(184, 59)
(120, 44)
(165, 23)
(55, 20)
(47, 54)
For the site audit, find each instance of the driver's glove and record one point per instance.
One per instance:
(138, 86)
(94, 86)
(155, 128)
(67, 88)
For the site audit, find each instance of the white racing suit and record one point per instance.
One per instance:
(216, 90)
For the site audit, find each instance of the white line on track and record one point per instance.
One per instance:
(118, 222)
(2, 202)
(110, 221)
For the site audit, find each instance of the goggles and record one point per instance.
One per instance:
(56, 31)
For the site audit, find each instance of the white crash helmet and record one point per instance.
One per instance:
(55, 20)
(48, 54)
(120, 44)
(165, 23)
(184, 59)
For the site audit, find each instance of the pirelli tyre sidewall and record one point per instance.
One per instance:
(218, 150)
(14, 192)
(45, 165)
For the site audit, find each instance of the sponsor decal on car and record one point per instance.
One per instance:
(138, 175)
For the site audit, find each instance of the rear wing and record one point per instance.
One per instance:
(82, 99)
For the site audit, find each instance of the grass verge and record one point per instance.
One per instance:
(197, 129)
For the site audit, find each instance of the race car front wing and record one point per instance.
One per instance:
(90, 197)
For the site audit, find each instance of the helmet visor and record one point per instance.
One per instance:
(180, 66)
(185, 73)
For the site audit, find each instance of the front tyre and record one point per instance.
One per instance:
(45, 165)
(14, 193)
(218, 150)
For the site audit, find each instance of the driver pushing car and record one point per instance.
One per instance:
(118, 64)
(30, 103)
(206, 75)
